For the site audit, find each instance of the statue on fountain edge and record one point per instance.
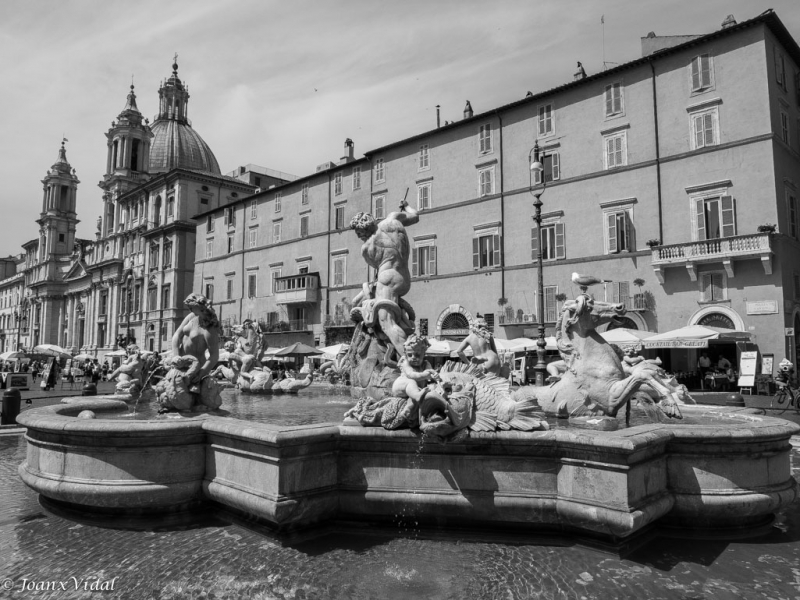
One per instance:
(188, 385)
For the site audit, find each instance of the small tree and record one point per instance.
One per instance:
(502, 301)
(639, 282)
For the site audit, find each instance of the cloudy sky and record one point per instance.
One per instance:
(282, 83)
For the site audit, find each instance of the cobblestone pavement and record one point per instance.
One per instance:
(213, 556)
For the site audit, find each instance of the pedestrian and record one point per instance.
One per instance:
(703, 365)
(34, 371)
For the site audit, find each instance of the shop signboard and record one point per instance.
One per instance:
(747, 369)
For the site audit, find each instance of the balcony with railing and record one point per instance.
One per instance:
(725, 250)
(286, 326)
(297, 289)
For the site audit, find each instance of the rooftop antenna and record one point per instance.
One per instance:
(603, 23)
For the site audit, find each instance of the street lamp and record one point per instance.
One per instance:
(535, 161)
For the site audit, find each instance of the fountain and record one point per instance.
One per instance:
(491, 458)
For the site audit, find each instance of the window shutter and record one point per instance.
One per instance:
(728, 216)
(705, 294)
(556, 167)
(550, 303)
(708, 127)
(612, 233)
(697, 125)
(700, 218)
(560, 244)
(414, 262)
(624, 292)
(432, 261)
(696, 73)
(618, 150)
(609, 100)
(496, 248)
(630, 245)
(617, 95)
(705, 71)
(476, 257)
(716, 286)
(534, 243)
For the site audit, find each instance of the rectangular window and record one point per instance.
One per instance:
(339, 217)
(613, 96)
(210, 224)
(304, 226)
(167, 255)
(380, 171)
(252, 237)
(251, 285)
(164, 330)
(553, 242)
(165, 296)
(230, 216)
(229, 289)
(616, 150)
(230, 244)
(423, 261)
(619, 232)
(424, 158)
(304, 194)
(552, 168)
(785, 127)
(791, 203)
(486, 182)
(550, 303)
(152, 295)
(380, 207)
(171, 206)
(339, 264)
(274, 274)
(278, 197)
(337, 184)
(209, 248)
(486, 251)
(712, 287)
(485, 138)
(715, 217)
(424, 196)
(701, 72)
(704, 128)
(780, 68)
(356, 178)
(276, 232)
(153, 257)
(104, 303)
(546, 119)
(253, 209)
(620, 292)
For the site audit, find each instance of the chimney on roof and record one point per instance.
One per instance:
(437, 117)
(348, 151)
(468, 110)
(728, 22)
(580, 73)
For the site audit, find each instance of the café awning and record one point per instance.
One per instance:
(626, 338)
(694, 336)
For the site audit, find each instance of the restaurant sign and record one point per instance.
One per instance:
(676, 343)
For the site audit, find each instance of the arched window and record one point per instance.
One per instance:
(171, 206)
(622, 322)
(717, 320)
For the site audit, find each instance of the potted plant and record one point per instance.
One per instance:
(653, 242)
(767, 228)
(561, 296)
(639, 301)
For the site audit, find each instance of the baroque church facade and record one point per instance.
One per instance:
(126, 285)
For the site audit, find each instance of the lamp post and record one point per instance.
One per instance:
(535, 162)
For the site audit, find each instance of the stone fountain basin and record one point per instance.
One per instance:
(604, 483)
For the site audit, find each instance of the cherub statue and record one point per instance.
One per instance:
(484, 351)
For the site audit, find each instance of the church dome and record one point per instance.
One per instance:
(175, 144)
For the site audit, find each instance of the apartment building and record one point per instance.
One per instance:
(663, 176)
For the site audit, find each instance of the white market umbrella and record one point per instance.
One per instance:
(51, 350)
(626, 338)
(331, 352)
(82, 357)
(693, 336)
(12, 355)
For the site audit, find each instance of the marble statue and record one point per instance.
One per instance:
(196, 338)
(248, 345)
(230, 372)
(484, 351)
(130, 373)
(385, 319)
(595, 383)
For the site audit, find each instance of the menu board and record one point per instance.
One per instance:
(766, 364)
(747, 369)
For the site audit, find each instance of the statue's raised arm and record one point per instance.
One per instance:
(406, 215)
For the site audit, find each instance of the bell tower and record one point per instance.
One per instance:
(128, 143)
(173, 98)
(58, 218)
